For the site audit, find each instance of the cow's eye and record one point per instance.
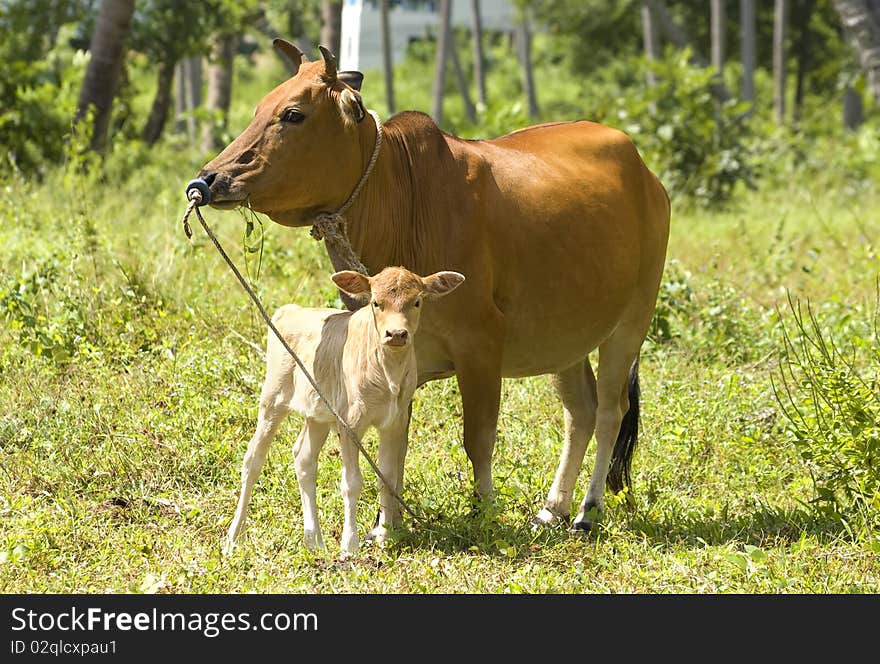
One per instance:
(375, 304)
(417, 304)
(292, 115)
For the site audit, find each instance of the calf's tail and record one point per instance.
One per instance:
(627, 437)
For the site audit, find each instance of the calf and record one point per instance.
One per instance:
(365, 366)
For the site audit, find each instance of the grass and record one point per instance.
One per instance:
(130, 369)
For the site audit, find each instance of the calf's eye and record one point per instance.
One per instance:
(417, 304)
(292, 115)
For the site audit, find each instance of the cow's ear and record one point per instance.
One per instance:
(351, 105)
(353, 79)
(441, 283)
(353, 283)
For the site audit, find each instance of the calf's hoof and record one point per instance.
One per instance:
(228, 547)
(378, 535)
(349, 544)
(312, 540)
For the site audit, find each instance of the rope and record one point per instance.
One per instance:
(330, 226)
(195, 199)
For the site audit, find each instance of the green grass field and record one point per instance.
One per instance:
(131, 366)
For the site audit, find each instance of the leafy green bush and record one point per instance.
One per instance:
(830, 396)
(37, 102)
(700, 148)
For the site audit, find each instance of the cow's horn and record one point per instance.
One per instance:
(296, 56)
(329, 64)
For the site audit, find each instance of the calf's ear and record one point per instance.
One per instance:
(441, 283)
(353, 283)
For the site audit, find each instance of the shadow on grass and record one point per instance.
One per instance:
(758, 526)
(508, 534)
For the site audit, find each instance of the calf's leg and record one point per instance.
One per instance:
(392, 451)
(351, 484)
(273, 410)
(305, 453)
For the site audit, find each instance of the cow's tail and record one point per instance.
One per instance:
(627, 437)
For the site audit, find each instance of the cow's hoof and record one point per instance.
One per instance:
(228, 547)
(581, 527)
(545, 518)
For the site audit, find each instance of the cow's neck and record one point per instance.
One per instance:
(386, 225)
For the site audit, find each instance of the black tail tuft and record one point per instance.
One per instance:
(627, 437)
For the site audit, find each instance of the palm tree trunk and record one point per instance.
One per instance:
(219, 91)
(102, 75)
(179, 99)
(387, 63)
(524, 51)
(861, 21)
(780, 21)
(469, 109)
(479, 60)
(803, 55)
(331, 24)
(161, 103)
(651, 38)
(747, 46)
(443, 44)
(193, 83)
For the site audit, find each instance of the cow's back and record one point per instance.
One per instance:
(572, 226)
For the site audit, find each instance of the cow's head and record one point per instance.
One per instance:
(396, 297)
(301, 153)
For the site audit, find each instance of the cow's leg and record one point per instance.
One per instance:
(577, 390)
(616, 356)
(479, 381)
(273, 410)
(392, 452)
(351, 484)
(305, 453)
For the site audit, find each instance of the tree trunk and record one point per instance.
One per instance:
(853, 112)
(161, 103)
(461, 79)
(747, 32)
(219, 91)
(443, 44)
(651, 38)
(524, 51)
(479, 59)
(861, 21)
(718, 35)
(179, 99)
(780, 21)
(803, 54)
(331, 25)
(102, 75)
(387, 63)
(193, 84)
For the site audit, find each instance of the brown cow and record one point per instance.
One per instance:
(560, 228)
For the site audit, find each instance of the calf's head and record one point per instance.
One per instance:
(396, 297)
(302, 152)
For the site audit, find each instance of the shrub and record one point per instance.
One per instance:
(699, 148)
(830, 396)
